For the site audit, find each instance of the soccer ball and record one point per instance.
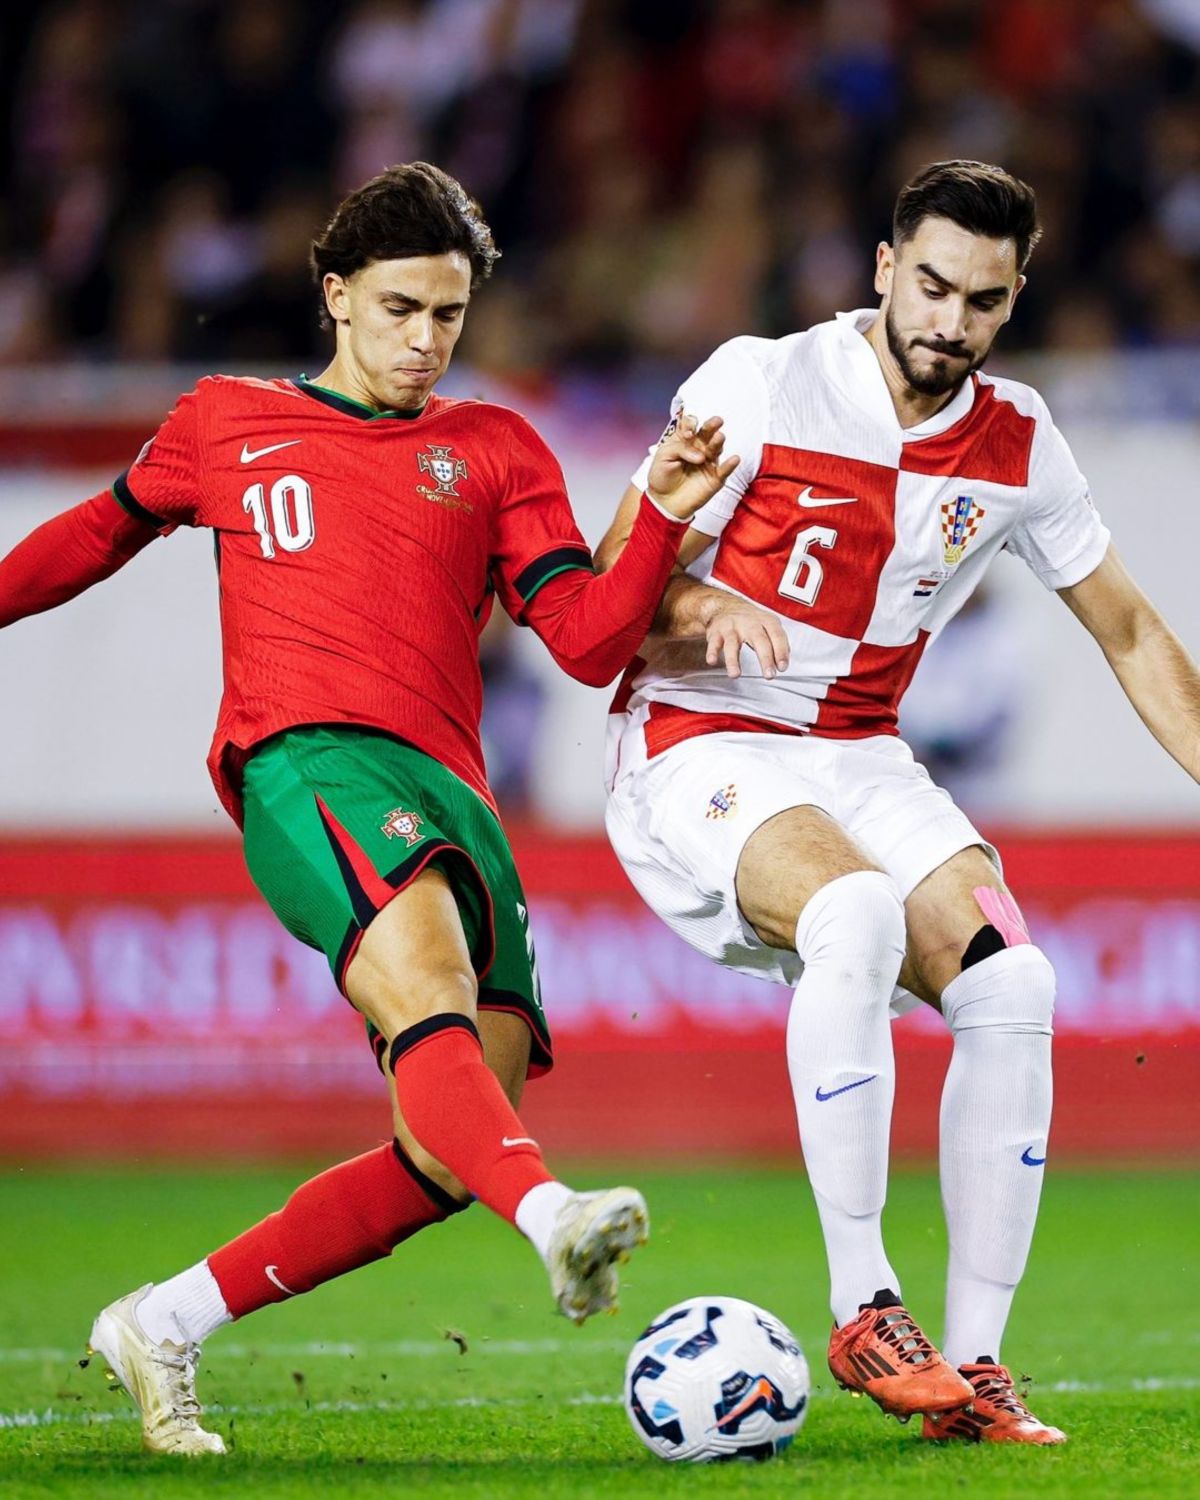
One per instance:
(716, 1378)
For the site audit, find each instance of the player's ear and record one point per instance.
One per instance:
(1016, 292)
(337, 297)
(885, 266)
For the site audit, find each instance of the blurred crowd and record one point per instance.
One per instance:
(659, 175)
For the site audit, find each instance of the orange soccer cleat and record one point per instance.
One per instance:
(884, 1355)
(998, 1414)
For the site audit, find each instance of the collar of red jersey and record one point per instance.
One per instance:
(863, 380)
(351, 408)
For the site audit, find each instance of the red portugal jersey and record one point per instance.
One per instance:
(358, 552)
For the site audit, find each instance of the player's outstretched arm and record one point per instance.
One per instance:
(693, 611)
(68, 554)
(1149, 660)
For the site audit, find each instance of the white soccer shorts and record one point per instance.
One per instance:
(680, 821)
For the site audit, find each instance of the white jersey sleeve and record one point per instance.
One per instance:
(1059, 535)
(729, 384)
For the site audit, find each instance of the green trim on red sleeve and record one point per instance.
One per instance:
(124, 497)
(558, 560)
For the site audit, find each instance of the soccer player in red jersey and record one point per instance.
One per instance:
(794, 836)
(363, 526)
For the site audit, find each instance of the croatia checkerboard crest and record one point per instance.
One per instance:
(960, 522)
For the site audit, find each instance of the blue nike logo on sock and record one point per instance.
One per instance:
(833, 1093)
(1031, 1161)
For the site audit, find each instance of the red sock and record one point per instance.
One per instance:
(347, 1217)
(455, 1107)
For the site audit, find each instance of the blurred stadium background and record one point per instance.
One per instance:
(660, 177)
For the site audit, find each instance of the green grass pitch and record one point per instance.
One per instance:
(443, 1371)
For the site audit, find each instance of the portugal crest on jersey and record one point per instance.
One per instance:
(403, 825)
(446, 471)
(960, 522)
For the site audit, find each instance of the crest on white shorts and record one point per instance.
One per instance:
(722, 804)
(403, 825)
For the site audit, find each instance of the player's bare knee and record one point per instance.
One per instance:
(1010, 989)
(855, 922)
(435, 1180)
(396, 1002)
(785, 862)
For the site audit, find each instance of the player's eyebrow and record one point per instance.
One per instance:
(991, 291)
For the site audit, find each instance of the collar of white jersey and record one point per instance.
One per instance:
(855, 364)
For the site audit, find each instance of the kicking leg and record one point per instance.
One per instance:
(970, 952)
(412, 978)
(802, 882)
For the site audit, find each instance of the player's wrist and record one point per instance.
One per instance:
(662, 504)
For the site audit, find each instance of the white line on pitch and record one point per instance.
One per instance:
(49, 1417)
(396, 1349)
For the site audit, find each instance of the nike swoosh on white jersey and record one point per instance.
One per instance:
(248, 454)
(517, 1140)
(271, 1276)
(807, 498)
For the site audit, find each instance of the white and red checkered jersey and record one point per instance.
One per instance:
(863, 537)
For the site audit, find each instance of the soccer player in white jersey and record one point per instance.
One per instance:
(763, 805)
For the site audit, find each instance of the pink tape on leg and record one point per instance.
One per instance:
(1004, 914)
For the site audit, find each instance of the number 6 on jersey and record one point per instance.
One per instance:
(804, 574)
(291, 520)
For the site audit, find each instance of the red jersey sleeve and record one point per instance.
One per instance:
(535, 537)
(542, 568)
(162, 486)
(67, 555)
(593, 626)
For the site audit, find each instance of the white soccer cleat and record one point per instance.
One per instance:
(592, 1233)
(160, 1379)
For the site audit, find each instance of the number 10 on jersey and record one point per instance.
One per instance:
(288, 522)
(804, 574)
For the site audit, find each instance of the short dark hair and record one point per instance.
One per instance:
(408, 210)
(975, 195)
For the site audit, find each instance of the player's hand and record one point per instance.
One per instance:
(687, 470)
(735, 623)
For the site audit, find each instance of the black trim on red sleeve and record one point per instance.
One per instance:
(543, 568)
(124, 497)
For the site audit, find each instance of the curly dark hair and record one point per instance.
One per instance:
(975, 195)
(408, 210)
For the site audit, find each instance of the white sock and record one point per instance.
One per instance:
(995, 1119)
(839, 1045)
(537, 1212)
(185, 1309)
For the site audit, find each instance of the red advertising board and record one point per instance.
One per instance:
(150, 1005)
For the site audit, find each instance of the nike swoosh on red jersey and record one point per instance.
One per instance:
(808, 499)
(248, 454)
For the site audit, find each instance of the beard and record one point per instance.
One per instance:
(941, 379)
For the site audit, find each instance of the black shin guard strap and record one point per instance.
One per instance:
(985, 942)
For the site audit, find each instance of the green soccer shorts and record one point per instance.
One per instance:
(339, 819)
